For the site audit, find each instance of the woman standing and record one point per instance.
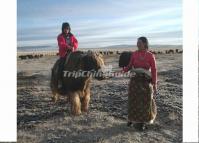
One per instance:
(142, 86)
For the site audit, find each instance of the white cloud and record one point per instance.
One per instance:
(95, 21)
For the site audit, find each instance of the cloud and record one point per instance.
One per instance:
(97, 23)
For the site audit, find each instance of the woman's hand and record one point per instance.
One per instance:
(125, 69)
(122, 71)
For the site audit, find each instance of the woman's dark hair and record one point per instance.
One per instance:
(66, 25)
(145, 41)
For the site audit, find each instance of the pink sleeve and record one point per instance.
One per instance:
(127, 68)
(61, 42)
(153, 69)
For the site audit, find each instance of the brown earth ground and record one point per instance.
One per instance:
(41, 120)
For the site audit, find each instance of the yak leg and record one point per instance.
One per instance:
(54, 83)
(75, 103)
(55, 97)
(55, 94)
(86, 100)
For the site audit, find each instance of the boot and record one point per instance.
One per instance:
(140, 126)
(59, 84)
(129, 124)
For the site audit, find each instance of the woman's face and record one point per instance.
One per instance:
(66, 30)
(140, 45)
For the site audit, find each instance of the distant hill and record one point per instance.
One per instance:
(118, 46)
(36, 48)
(134, 47)
(112, 47)
(150, 46)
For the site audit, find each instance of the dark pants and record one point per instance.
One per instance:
(61, 68)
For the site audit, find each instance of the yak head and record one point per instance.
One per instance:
(124, 59)
(93, 62)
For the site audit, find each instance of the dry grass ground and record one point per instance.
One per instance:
(41, 120)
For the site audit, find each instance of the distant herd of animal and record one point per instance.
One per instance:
(39, 55)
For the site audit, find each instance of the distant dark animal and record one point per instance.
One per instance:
(118, 52)
(180, 52)
(23, 57)
(36, 56)
(124, 59)
(104, 53)
(30, 56)
(111, 52)
(154, 52)
(101, 52)
(170, 51)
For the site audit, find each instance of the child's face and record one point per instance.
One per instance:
(140, 45)
(66, 30)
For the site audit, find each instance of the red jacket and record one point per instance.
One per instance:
(146, 60)
(64, 46)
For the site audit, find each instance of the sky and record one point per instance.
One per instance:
(99, 23)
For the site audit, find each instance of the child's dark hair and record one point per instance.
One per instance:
(145, 41)
(66, 25)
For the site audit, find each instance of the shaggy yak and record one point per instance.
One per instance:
(77, 88)
(124, 59)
